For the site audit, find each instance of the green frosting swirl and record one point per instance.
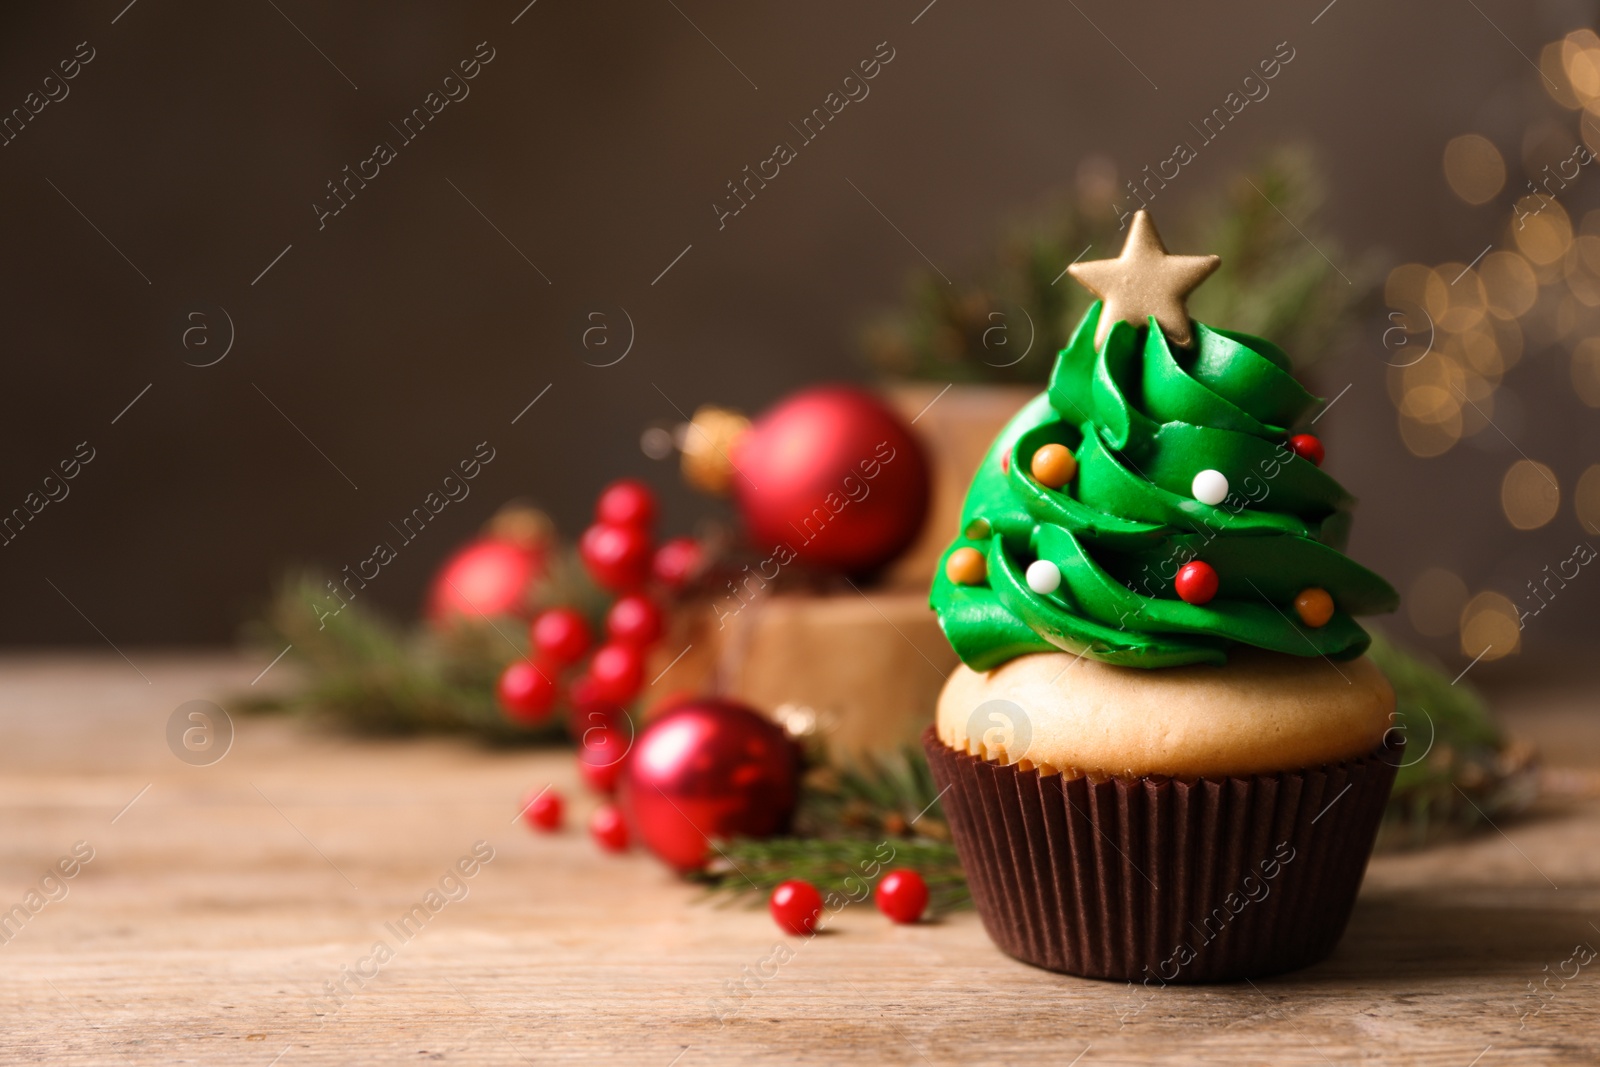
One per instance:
(1143, 418)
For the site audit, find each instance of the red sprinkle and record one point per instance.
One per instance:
(1196, 582)
(1306, 446)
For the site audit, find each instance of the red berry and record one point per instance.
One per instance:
(1306, 446)
(616, 557)
(599, 771)
(601, 752)
(526, 692)
(627, 502)
(617, 672)
(560, 635)
(608, 828)
(581, 694)
(543, 810)
(902, 895)
(1196, 582)
(634, 620)
(677, 561)
(795, 906)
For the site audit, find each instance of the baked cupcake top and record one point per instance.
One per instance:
(1261, 713)
(1155, 507)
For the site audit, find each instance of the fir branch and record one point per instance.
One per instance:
(1288, 282)
(1458, 769)
(855, 822)
(1276, 281)
(850, 867)
(876, 797)
(364, 674)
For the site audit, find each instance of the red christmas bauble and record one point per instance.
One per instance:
(543, 810)
(634, 620)
(626, 502)
(1196, 582)
(833, 474)
(677, 561)
(902, 895)
(795, 906)
(527, 692)
(708, 768)
(1307, 446)
(609, 828)
(616, 557)
(489, 576)
(560, 635)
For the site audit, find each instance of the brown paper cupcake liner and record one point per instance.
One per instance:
(1157, 880)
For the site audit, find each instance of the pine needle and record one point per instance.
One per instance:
(1015, 310)
(1458, 768)
(855, 823)
(364, 674)
(848, 867)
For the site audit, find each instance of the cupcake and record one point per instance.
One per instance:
(1164, 753)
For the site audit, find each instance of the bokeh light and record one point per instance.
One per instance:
(1405, 284)
(1529, 494)
(1580, 62)
(1587, 250)
(1428, 439)
(1434, 601)
(1586, 499)
(1455, 297)
(1461, 329)
(1478, 351)
(1474, 168)
(1432, 388)
(1555, 79)
(1509, 283)
(1541, 229)
(1582, 270)
(1489, 627)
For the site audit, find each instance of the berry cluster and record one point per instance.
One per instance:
(598, 675)
(619, 553)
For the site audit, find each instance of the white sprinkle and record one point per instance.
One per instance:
(1043, 576)
(1209, 487)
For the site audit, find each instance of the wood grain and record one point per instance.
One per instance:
(217, 906)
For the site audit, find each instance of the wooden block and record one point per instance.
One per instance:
(956, 429)
(869, 665)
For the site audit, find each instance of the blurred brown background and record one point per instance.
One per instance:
(408, 329)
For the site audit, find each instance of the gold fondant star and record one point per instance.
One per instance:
(1145, 281)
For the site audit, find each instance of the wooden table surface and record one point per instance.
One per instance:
(221, 899)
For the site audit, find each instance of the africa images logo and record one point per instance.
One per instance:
(1002, 728)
